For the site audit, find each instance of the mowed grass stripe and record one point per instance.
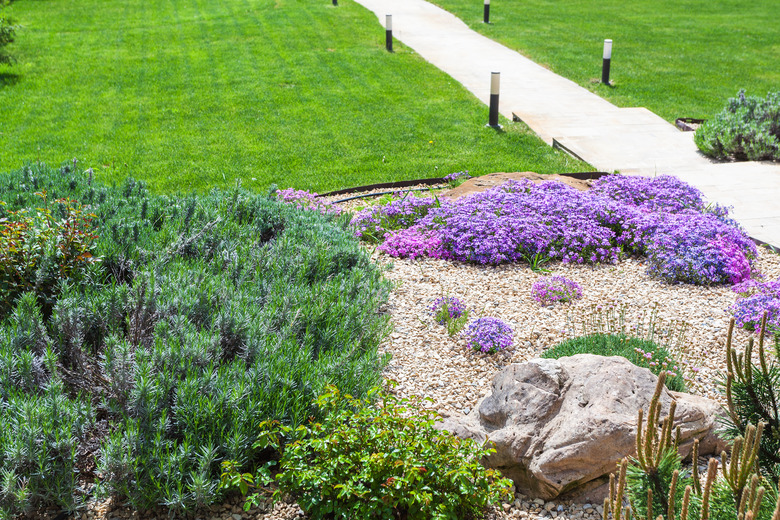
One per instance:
(679, 58)
(189, 95)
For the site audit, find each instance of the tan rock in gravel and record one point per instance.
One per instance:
(560, 424)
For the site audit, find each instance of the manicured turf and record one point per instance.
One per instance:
(191, 94)
(679, 58)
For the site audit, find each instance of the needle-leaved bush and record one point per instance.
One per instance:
(199, 318)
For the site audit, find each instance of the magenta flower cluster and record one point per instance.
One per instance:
(488, 335)
(412, 243)
(447, 308)
(554, 289)
(759, 298)
(662, 218)
(307, 200)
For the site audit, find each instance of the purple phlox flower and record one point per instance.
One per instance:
(488, 335)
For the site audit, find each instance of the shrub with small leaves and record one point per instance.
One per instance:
(555, 289)
(381, 460)
(7, 32)
(488, 335)
(748, 128)
(39, 250)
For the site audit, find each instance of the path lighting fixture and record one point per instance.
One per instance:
(495, 81)
(607, 59)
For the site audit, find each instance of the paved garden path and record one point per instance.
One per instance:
(629, 140)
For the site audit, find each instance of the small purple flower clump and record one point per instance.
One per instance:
(456, 177)
(488, 335)
(556, 288)
(447, 308)
(519, 221)
(760, 298)
(306, 200)
(373, 223)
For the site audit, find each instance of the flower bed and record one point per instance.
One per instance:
(663, 219)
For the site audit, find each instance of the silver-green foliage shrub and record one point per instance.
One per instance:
(748, 128)
(204, 317)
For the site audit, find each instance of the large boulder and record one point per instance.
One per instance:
(561, 424)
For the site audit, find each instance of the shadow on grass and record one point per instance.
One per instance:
(9, 79)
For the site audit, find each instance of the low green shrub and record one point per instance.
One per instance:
(641, 352)
(748, 128)
(200, 318)
(379, 460)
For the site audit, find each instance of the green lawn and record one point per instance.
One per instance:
(191, 94)
(679, 58)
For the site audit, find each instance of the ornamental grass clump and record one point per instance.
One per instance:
(488, 335)
(555, 289)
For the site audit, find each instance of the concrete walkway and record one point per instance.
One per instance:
(629, 140)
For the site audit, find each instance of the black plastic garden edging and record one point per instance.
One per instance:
(434, 181)
(685, 123)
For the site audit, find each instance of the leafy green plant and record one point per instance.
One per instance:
(748, 128)
(7, 32)
(381, 460)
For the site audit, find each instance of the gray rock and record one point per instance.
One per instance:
(558, 425)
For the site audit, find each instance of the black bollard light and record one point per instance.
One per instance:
(389, 32)
(495, 80)
(336, 2)
(486, 12)
(605, 63)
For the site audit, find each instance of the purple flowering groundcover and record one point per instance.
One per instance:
(662, 218)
